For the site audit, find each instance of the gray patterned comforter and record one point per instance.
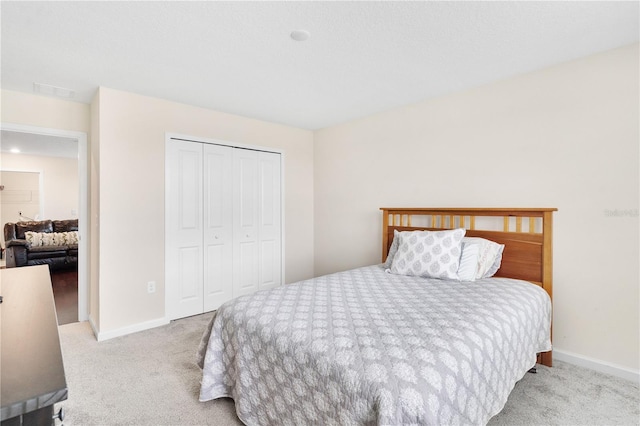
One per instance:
(367, 347)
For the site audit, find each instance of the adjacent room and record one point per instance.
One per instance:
(320, 212)
(41, 186)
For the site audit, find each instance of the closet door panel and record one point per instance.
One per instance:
(245, 221)
(270, 274)
(247, 268)
(190, 279)
(183, 250)
(218, 225)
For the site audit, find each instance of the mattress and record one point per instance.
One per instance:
(368, 347)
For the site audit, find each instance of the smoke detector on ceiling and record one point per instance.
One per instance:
(300, 35)
(49, 90)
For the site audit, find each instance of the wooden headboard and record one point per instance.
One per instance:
(525, 232)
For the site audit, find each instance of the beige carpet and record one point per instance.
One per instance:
(150, 378)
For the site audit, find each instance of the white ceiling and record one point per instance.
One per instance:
(43, 145)
(237, 57)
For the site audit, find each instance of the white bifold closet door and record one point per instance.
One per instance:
(256, 221)
(223, 225)
(218, 226)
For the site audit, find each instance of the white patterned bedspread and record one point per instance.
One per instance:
(367, 347)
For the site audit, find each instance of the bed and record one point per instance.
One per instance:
(374, 345)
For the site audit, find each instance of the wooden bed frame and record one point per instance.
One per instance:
(526, 234)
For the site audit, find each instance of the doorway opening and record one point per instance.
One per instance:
(60, 158)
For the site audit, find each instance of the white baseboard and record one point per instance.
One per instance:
(93, 327)
(597, 365)
(106, 335)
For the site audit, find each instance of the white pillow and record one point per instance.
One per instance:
(468, 261)
(434, 254)
(489, 255)
(392, 250)
(497, 262)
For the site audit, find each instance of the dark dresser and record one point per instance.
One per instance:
(32, 376)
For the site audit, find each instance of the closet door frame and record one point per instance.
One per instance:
(189, 138)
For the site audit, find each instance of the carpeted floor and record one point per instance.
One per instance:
(150, 378)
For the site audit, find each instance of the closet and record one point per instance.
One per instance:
(223, 233)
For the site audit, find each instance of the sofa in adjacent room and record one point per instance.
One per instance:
(42, 242)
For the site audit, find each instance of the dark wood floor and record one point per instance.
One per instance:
(65, 294)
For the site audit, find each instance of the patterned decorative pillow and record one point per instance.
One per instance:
(71, 238)
(434, 254)
(38, 239)
(489, 255)
(48, 239)
(34, 238)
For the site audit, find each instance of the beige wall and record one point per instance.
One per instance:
(19, 195)
(60, 182)
(564, 137)
(131, 139)
(42, 111)
(94, 215)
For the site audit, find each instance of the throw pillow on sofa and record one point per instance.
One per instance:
(37, 239)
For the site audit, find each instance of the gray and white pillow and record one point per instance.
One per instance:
(434, 254)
